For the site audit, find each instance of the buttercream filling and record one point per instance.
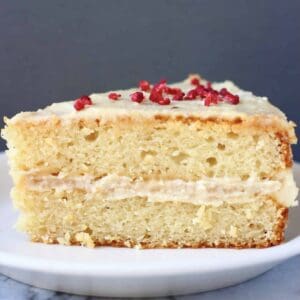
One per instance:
(209, 191)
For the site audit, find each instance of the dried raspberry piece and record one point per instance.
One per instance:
(144, 85)
(195, 81)
(114, 96)
(211, 98)
(81, 102)
(178, 96)
(164, 101)
(137, 97)
(202, 91)
(163, 81)
(208, 85)
(191, 95)
(161, 86)
(232, 99)
(207, 101)
(223, 91)
(78, 104)
(155, 95)
(228, 97)
(172, 91)
(86, 100)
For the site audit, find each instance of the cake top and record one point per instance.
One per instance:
(192, 97)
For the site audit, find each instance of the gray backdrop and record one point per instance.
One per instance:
(58, 50)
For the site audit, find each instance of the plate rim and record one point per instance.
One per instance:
(41, 264)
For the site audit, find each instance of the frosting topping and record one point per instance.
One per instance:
(106, 108)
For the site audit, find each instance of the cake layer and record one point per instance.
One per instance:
(149, 148)
(214, 191)
(69, 218)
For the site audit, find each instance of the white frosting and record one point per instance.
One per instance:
(213, 191)
(105, 108)
(288, 192)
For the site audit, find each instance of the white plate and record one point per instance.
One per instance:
(124, 272)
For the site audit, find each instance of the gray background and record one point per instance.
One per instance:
(58, 50)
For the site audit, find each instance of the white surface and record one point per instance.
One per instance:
(129, 272)
(280, 283)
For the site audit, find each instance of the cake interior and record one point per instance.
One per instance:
(172, 149)
(66, 218)
(166, 150)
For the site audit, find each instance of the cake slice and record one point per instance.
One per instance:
(191, 164)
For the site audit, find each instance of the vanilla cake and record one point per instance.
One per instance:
(191, 164)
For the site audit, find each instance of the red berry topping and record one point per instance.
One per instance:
(163, 81)
(78, 105)
(232, 99)
(195, 81)
(86, 100)
(159, 91)
(114, 96)
(207, 101)
(156, 95)
(191, 95)
(161, 87)
(211, 98)
(201, 91)
(165, 101)
(137, 97)
(228, 97)
(178, 96)
(223, 92)
(81, 102)
(172, 91)
(144, 85)
(208, 85)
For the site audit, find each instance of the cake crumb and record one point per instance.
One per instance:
(84, 239)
